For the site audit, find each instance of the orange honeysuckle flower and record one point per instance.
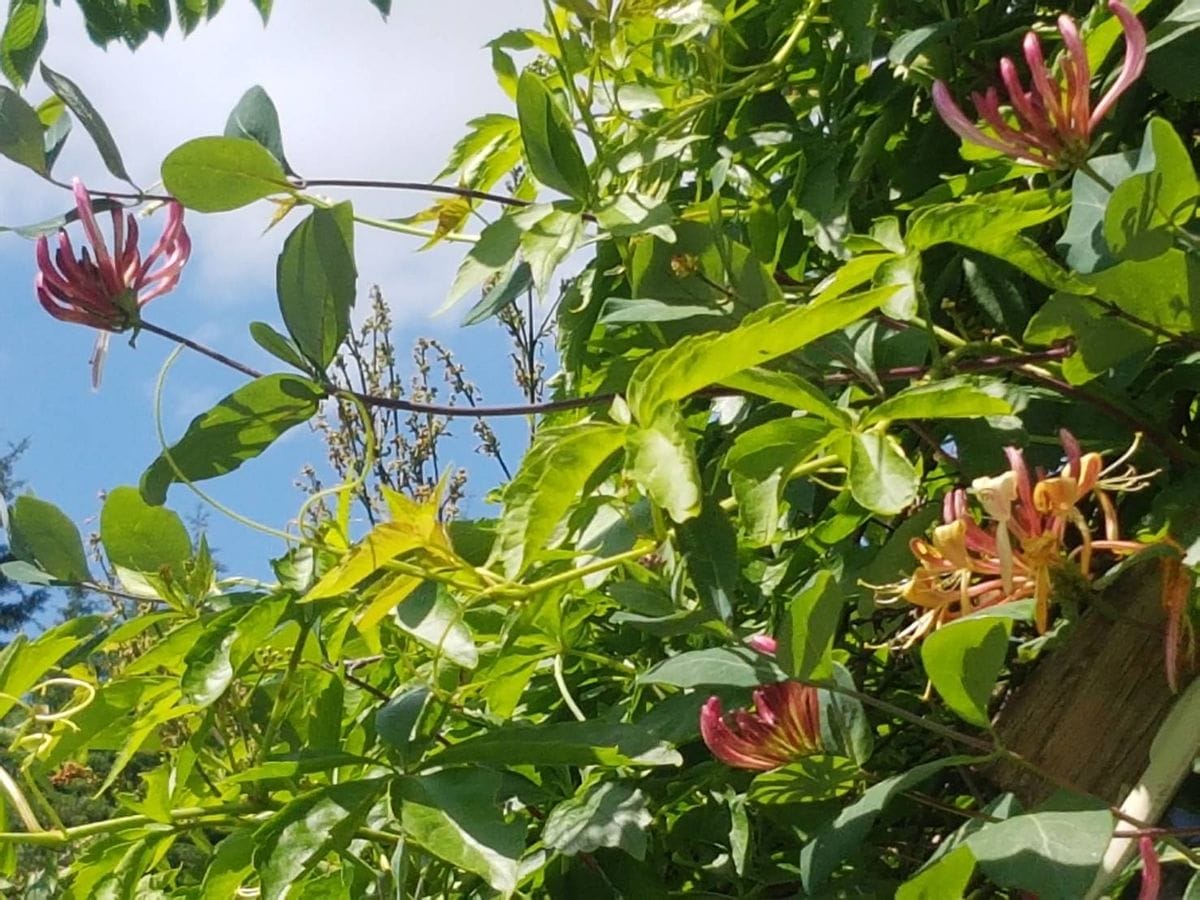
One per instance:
(1055, 119)
(1013, 551)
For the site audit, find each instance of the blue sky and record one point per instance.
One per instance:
(357, 98)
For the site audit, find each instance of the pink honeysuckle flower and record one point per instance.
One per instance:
(784, 725)
(107, 289)
(1055, 119)
(1151, 869)
(763, 643)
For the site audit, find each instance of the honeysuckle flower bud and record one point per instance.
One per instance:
(763, 643)
(784, 726)
(107, 289)
(1055, 118)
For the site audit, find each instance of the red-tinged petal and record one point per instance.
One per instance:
(1151, 869)
(1022, 146)
(957, 121)
(1037, 126)
(725, 745)
(1048, 91)
(1079, 77)
(1135, 61)
(83, 203)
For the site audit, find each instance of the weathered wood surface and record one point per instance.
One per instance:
(1090, 709)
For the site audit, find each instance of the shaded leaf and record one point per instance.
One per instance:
(607, 814)
(89, 117)
(256, 118)
(550, 146)
(41, 534)
(237, 429)
(294, 839)
(316, 281)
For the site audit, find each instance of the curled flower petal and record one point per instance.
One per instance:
(784, 725)
(103, 287)
(1054, 118)
(1135, 61)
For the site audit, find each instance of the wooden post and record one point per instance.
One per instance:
(1090, 710)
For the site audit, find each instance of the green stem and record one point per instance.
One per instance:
(187, 816)
(285, 684)
(568, 78)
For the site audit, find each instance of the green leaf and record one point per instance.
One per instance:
(216, 174)
(23, 40)
(298, 837)
(790, 390)
(727, 666)
(546, 240)
(948, 877)
(23, 662)
(282, 348)
(229, 866)
(608, 814)
(881, 477)
(1083, 238)
(1101, 341)
(561, 744)
(839, 839)
(256, 118)
(513, 284)
(316, 282)
(21, 132)
(1164, 291)
(806, 645)
(993, 231)
(1160, 194)
(628, 214)
(552, 475)
(237, 429)
(809, 779)
(433, 617)
(963, 660)
(701, 360)
(455, 816)
(493, 253)
(709, 548)
(661, 458)
(41, 534)
(961, 397)
(141, 537)
(228, 640)
(397, 720)
(89, 117)
(550, 146)
(56, 122)
(845, 728)
(1054, 852)
(760, 464)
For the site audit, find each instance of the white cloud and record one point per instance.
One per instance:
(357, 98)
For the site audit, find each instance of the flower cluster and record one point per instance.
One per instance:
(106, 289)
(1055, 119)
(784, 725)
(1030, 529)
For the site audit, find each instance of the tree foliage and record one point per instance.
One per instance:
(797, 321)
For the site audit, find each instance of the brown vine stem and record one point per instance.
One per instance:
(900, 373)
